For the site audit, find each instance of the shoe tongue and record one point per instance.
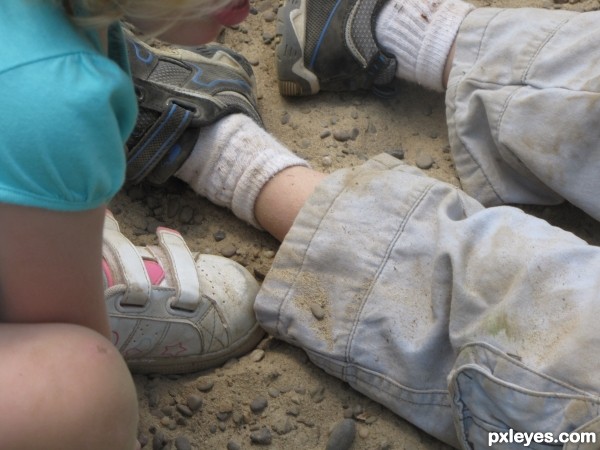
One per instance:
(155, 272)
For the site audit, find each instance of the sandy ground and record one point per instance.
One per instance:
(275, 393)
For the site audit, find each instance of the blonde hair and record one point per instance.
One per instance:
(104, 12)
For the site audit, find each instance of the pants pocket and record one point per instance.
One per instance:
(496, 399)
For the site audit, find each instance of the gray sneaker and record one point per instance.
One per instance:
(179, 92)
(330, 45)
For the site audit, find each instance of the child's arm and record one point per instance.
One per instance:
(50, 267)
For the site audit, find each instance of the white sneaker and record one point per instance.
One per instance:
(172, 311)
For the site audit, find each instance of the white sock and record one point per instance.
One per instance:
(420, 34)
(231, 162)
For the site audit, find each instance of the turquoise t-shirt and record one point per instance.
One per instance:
(66, 110)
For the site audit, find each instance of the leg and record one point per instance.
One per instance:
(458, 318)
(507, 93)
(512, 138)
(64, 387)
(283, 196)
(223, 153)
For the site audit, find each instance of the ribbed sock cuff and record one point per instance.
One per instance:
(420, 34)
(232, 161)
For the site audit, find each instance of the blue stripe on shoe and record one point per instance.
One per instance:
(138, 54)
(200, 72)
(168, 141)
(173, 154)
(322, 36)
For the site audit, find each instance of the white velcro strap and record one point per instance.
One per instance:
(130, 263)
(110, 223)
(183, 269)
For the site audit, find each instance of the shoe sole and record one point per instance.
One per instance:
(295, 79)
(189, 364)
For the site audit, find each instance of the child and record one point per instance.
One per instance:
(67, 110)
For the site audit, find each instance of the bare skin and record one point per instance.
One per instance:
(283, 196)
(64, 387)
(62, 252)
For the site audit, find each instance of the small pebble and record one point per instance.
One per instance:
(153, 399)
(168, 411)
(173, 207)
(346, 135)
(371, 419)
(143, 440)
(166, 421)
(259, 404)
(283, 426)
(205, 385)
(424, 161)
(185, 410)
(232, 445)
(261, 437)
(396, 153)
(269, 16)
(273, 393)
(159, 441)
(182, 443)
(225, 407)
(219, 235)
(269, 254)
(228, 251)
(293, 410)
(194, 402)
(223, 416)
(238, 418)
(342, 435)
(257, 355)
(267, 37)
(186, 215)
(317, 311)
(318, 394)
